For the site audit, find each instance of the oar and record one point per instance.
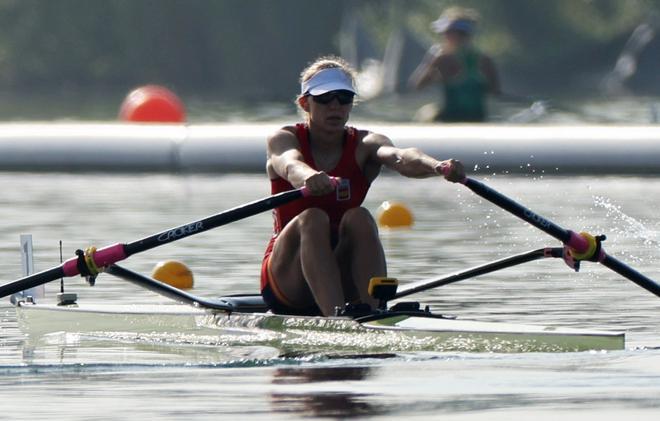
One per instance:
(506, 262)
(228, 304)
(88, 264)
(582, 246)
(167, 290)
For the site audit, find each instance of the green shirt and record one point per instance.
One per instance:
(465, 94)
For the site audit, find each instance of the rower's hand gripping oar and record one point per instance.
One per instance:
(90, 262)
(577, 247)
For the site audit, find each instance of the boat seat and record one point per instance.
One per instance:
(248, 303)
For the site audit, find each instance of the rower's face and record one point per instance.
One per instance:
(330, 115)
(455, 38)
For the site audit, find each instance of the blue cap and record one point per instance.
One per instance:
(444, 24)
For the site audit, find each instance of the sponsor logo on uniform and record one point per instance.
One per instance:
(344, 189)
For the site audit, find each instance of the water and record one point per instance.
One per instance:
(103, 377)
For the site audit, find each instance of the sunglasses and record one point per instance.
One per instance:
(344, 97)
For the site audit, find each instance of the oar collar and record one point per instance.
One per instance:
(583, 246)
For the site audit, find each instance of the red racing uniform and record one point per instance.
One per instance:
(351, 191)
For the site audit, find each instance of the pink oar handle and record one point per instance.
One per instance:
(102, 257)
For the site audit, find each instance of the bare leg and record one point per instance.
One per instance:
(304, 264)
(360, 254)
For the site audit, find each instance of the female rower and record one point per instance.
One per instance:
(325, 247)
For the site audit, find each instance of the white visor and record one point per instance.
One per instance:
(333, 79)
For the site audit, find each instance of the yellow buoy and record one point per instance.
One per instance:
(394, 215)
(173, 273)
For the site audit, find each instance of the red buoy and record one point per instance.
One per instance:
(152, 103)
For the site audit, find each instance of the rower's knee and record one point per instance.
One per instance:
(314, 220)
(358, 221)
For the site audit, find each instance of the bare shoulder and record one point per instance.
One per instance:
(283, 132)
(282, 149)
(282, 139)
(373, 139)
(371, 148)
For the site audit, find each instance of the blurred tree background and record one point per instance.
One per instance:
(254, 50)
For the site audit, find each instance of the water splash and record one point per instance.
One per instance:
(626, 225)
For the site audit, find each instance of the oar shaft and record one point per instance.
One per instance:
(214, 221)
(506, 262)
(112, 254)
(574, 241)
(630, 273)
(567, 237)
(165, 289)
(31, 281)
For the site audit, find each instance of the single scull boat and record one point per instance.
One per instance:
(434, 331)
(247, 314)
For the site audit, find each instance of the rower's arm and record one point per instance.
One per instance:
(411, 162)
(286, 161)
(427, 71)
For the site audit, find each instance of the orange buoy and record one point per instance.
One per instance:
(173, 273)
(152, 103)
(394, 215)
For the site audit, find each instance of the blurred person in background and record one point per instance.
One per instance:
(466, 74)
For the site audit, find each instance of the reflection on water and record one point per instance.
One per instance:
(303, 375)
(310, 402)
